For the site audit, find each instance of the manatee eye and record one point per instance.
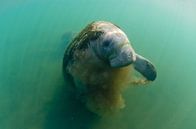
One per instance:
(107, 47)
(106, 43)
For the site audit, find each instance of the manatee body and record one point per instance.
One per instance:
(98, 60)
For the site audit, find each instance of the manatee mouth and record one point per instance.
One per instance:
(125, 57)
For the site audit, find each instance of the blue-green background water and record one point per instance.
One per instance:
(33, 93)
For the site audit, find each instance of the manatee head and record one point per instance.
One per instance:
(112, 45)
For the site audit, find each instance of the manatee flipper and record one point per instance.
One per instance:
(145, 67)
(59, 48)
(67, 37)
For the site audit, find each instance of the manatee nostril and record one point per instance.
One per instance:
(127, 51)
(129, 55)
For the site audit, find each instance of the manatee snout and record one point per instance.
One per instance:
(115, 47)
(125, 57)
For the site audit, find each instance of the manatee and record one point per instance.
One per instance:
(100, 61)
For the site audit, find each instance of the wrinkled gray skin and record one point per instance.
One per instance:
(112, 46)
(115, 47)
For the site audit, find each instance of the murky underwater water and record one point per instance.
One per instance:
(34, 95)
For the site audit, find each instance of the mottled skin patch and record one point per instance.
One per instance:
(80, 42)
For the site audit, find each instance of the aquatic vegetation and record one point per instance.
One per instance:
(101, 62)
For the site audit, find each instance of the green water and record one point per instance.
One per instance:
(33, 93)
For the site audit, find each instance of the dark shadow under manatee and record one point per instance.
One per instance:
(64, 111)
